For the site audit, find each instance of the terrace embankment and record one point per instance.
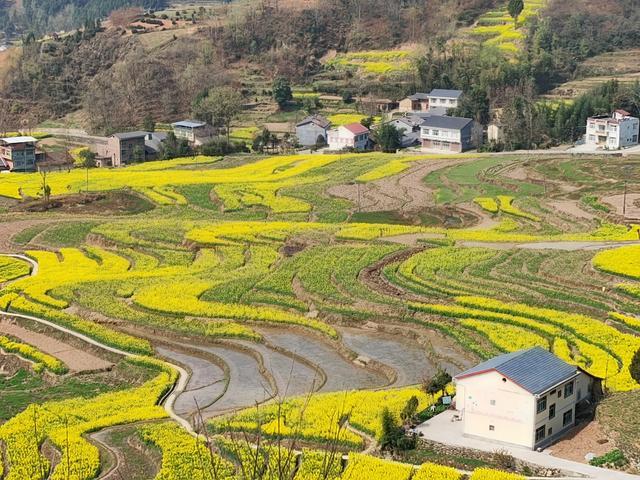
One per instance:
(76, 358)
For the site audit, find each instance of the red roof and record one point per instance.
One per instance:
(623, 112)
(356, 128)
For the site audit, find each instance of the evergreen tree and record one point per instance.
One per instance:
(282, 91)
(515, 9)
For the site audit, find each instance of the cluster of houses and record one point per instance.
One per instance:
(424, 122)
(129, 147)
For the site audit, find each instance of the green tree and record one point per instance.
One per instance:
(87, 161)
(220, 107)
(391, 434)
(437, 383)
(634, 368)
(389, 138)
(148, 124)
(282, 91)
(410, 409)
(515, 9)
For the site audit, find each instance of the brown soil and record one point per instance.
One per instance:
(107, 203)
(373, 278)
(572, 208)
(76, 359)
(581, 440)
(11, 229)
(404, 193)
(632, 210)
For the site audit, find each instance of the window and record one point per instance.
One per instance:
(559, 393)
(550, 432)
(552, 411)
(568, 389)
(540, 433)
(492, 428)
(542, 404)
(492, 402)
(567, 418)
(552, 392)
(435, 132)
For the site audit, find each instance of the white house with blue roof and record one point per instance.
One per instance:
(526, 398)
(194, 131)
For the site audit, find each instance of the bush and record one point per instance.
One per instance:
(222, 147)
(614, 458)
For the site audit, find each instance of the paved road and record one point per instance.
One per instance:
(442, 430)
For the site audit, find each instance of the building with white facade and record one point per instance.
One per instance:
(527, 398)
(354, 136)
(613, 132)
(441, 100)
(446, 134)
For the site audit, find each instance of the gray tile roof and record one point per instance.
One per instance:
(442, 121)
(418, 96)
(535, 369)
(443, 93)
(318, 120)
(130, 135)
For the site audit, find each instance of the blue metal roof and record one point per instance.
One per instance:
(535, 369)
(189, 124)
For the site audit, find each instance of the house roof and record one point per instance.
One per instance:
(318, 120)
(418, 96)
(442, 121)
(155, 141)
(622, 112)
(15, 140)
(356, 128)
(130, 135)
(443, 93)
(189, 124)
(535, 369)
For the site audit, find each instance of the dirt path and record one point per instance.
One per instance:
(76, 359)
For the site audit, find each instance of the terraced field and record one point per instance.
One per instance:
(294, 288)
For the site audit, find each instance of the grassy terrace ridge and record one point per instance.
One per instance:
(237, 260)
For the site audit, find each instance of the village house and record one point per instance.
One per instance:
(440, 100)
(409, 126)
(20, 154)
(418, 102)
(311, 129)
(613, 132)
(529, 398)
(123, 148)
(448, 134)
(197, 133)
(354, 135)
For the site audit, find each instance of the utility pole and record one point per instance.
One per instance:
(624, 200)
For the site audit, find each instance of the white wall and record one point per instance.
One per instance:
(486, 401)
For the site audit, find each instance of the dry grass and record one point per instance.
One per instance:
(620, 417)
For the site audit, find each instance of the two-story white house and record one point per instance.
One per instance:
(441, 100)
(194, 131)
(525, 398)
(613, 132)
(354, 136)
(440, 133)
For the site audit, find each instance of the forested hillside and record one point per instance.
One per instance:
(119, 77)
(45, 16)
